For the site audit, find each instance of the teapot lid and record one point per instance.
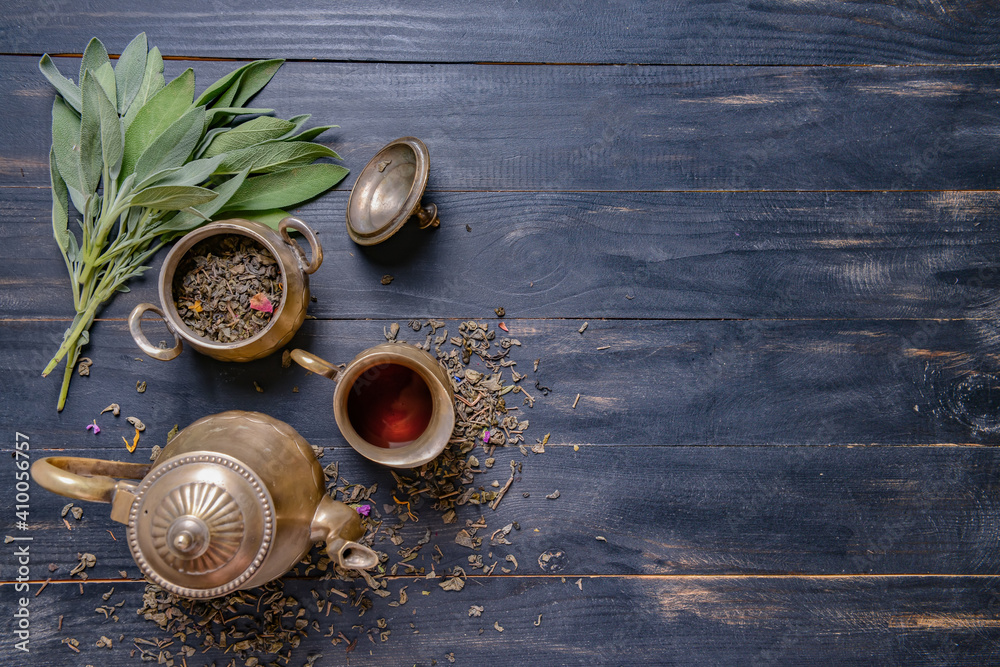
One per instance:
(201, 525)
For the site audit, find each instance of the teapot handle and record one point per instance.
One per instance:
(84, 479)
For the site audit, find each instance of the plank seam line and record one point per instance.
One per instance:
(563, 575)
(566, 445)
(535, 63)
(575, 318)
(664, 191)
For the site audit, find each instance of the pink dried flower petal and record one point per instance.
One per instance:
(94, 427)
(486, 436)
(364, 510)
(259, 301)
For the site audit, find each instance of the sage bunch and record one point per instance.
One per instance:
(142, 162)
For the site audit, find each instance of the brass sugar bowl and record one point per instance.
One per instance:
(287, 317)
(233, 501)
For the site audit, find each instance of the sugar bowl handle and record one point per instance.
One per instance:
(314, 245)
(134, 322)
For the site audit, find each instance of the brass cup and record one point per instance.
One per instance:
(288, 316)
(388, 193)
(434, 438)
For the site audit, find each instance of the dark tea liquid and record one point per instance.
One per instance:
(389, 405)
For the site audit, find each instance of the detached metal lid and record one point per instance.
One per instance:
(201, 525)
(388, 193)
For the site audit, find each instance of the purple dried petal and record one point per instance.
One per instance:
(486, 436)
(94, 427)
(364, 510)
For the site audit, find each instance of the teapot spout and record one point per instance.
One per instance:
(351, 555)
(340, 526)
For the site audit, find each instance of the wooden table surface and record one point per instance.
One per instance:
(780, 220)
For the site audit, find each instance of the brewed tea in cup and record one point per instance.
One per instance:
(393, 403)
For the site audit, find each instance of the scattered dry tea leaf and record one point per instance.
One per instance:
(387, 278)
(136, 422)
(601, 538)
(286, 359)
(497, 626)
(65, 510)
(476, 610)
(84, 367)
(553, 495)
(114, 408)
(500, 311)
(77, 513)
(584, 327)
(140, 386)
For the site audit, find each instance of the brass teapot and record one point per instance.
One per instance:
(233, 501)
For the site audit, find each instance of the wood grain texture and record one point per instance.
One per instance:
(697, 511)
(612, 620)
(633, 31)
(515, 127)
(677, 255)
(659, 383)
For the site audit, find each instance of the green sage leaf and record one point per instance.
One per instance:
(152, 83)
(159, 113)
(172, 197)
(60, 207)
(221, 113)
(69, 90)
(311, 133)
(235, 80)
(105, 75)
(183, 222)
(257, 75)
(65, 142)
(192, 173)
(112, 135)
(273, 156)
(298, 122)
(91, 163)
(285, 188)
(129, 72)
(94, 56)
(250, 133)
(79, 199)
(173, 147)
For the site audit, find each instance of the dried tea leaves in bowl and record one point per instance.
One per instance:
(227, 287)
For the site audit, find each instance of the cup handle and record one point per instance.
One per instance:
(134, 321)
(314, 364)
(314, 244)
(84, 479)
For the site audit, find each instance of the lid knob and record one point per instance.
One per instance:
(188, 537)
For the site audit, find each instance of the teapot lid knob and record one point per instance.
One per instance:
(201, 525)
